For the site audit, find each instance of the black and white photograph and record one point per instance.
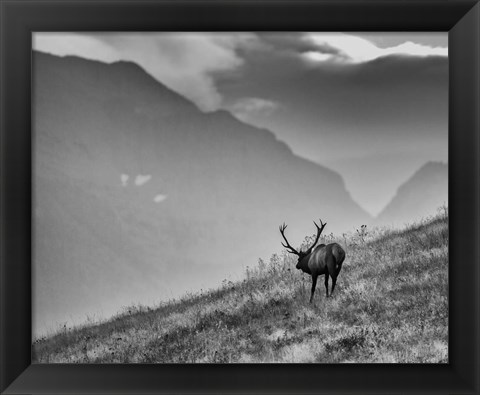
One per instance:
(240, 197)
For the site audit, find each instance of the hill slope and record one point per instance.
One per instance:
(139, 196)
(390, 305)
(418, 197)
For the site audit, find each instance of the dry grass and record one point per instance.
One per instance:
(390, 306)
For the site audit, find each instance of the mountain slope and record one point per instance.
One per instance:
(390, 306)
(139, 196)
(420, 196)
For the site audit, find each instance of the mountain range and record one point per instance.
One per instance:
(420, 196)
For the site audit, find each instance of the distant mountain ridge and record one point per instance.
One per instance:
(420, 196)
(140, 196)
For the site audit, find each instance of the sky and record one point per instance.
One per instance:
(371, 106)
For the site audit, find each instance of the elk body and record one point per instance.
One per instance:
(322, 259)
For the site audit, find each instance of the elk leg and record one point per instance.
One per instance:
(326, 283)
(314, 284)
(334, 281)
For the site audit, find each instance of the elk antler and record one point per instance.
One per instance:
(319, 232)
(287, 246)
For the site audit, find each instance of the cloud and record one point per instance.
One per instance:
(142, 179)
(185, 62)
(345, 48)
(252, 107)
(336, 109)
(89, 47)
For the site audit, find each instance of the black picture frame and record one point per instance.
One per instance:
(19, 18)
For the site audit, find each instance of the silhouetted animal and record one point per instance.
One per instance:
(323, 259)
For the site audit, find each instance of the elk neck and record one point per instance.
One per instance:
(303, 263)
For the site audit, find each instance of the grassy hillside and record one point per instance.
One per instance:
(390, 305)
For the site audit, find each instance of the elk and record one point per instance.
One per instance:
(322, 259)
